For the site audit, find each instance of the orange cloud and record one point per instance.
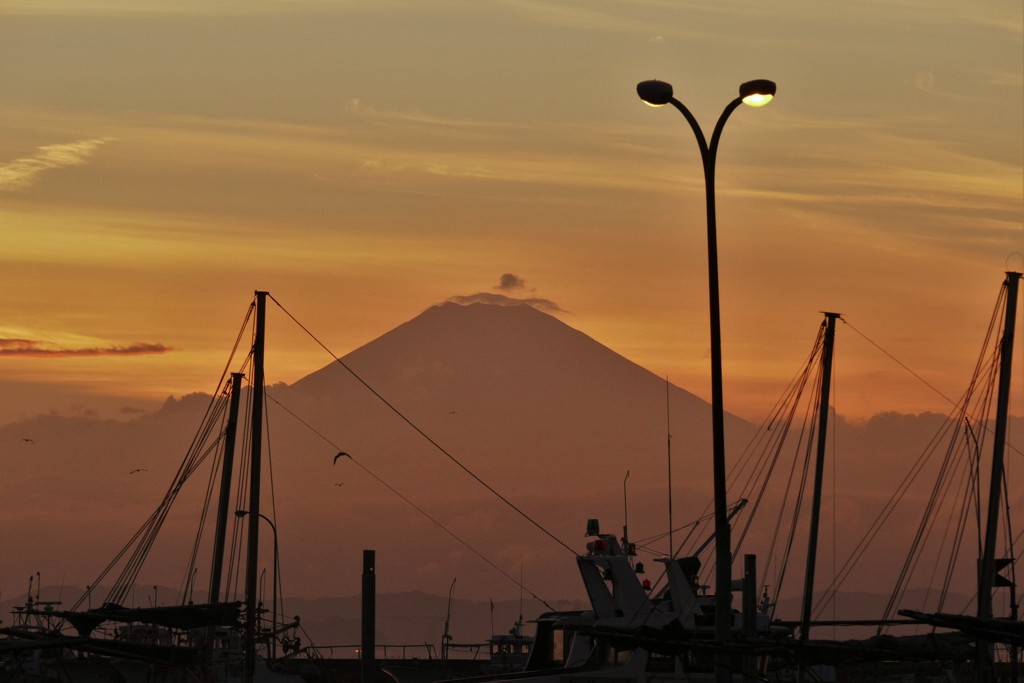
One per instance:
(31, 347)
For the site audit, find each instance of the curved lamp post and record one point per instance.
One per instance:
(272, 646)
(756, 94)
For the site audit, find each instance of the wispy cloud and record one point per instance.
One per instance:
(33, 347)
(212, 8)
(22, 173)
(502, 300)
(509, 283)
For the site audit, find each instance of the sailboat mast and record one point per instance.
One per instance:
(819, 468)
(986, 578)
(256, 456)
(230, 432)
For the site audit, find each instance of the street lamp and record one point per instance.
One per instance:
(754, 93)
(273, 611)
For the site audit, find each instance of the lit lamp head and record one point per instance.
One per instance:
(654, 93)
(757, 93)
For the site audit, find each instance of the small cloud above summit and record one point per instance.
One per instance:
(509, 283)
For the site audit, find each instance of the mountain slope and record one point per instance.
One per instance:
(524, 401)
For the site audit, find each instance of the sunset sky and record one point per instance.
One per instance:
(364, 160)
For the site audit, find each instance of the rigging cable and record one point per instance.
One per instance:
(810, 420)
(898, 362)
(235, 574)
(929, 519)
(883, 515)
(971, 503)
(276, 594)
(188, 580)
(647, 544)
(143, 539)
(916, 468)
(761, 456)
(409, 502)
(782, 420)
(419, 431)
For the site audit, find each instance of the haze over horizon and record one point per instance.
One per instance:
(556, 421)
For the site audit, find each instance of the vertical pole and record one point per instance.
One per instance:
(230, 432)
(367, 655)
(723, 533)
(819, 470)
(256, 456)
(274, 593)
(750, 612)
(986, 578)
(668, 440)
(1014, 617)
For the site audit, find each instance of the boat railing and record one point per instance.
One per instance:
(408, 651)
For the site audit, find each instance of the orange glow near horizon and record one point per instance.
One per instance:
(148, 188)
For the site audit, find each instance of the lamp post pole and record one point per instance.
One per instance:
(754, 93)
(272, 645)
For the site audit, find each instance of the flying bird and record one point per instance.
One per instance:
(341, 454)
(138, 469)
(29, 441)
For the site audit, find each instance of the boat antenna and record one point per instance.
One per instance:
(625, 514)
(446, 638)
(520, 589)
